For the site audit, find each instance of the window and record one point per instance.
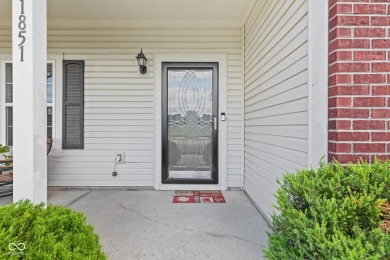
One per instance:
(9, 100)
(73, 105)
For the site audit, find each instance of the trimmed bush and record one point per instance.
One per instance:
(31, 231)
(333, 212)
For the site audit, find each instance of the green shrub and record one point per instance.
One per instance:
(54, 232)
(331, 213)
(4, 149)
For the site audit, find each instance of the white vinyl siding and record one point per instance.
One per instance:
(119, 107)
(276, 96)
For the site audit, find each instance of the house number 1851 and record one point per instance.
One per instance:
(22, 30)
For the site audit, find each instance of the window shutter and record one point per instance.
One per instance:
(73, 105)
(8, 83)
(9, 123)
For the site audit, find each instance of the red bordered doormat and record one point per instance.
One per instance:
(212, 196)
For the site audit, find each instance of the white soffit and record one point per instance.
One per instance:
(186, 11)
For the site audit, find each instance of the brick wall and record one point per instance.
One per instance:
(359, 79)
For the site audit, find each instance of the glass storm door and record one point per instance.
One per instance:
(190, 123)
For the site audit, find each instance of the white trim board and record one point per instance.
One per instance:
(318, 82)
(2, 102)
(242, 186)
(222, 107)
(136, 24)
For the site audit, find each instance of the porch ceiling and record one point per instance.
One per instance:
(142, 10)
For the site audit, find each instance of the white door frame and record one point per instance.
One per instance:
(222, 107)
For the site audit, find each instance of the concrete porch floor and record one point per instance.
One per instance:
(145, 224)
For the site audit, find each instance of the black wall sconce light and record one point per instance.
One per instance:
(141, 59)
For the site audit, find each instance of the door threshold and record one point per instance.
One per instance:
(189, 187)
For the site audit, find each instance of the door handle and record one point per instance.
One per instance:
(215, 121)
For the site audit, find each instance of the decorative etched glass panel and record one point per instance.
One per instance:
(190, 106)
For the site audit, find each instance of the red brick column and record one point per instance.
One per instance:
(359, 79)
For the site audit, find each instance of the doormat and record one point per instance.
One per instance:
(212, 196)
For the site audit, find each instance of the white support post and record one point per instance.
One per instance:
(29, 43)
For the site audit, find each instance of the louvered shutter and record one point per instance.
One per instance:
(8, 83)
(73, 105)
